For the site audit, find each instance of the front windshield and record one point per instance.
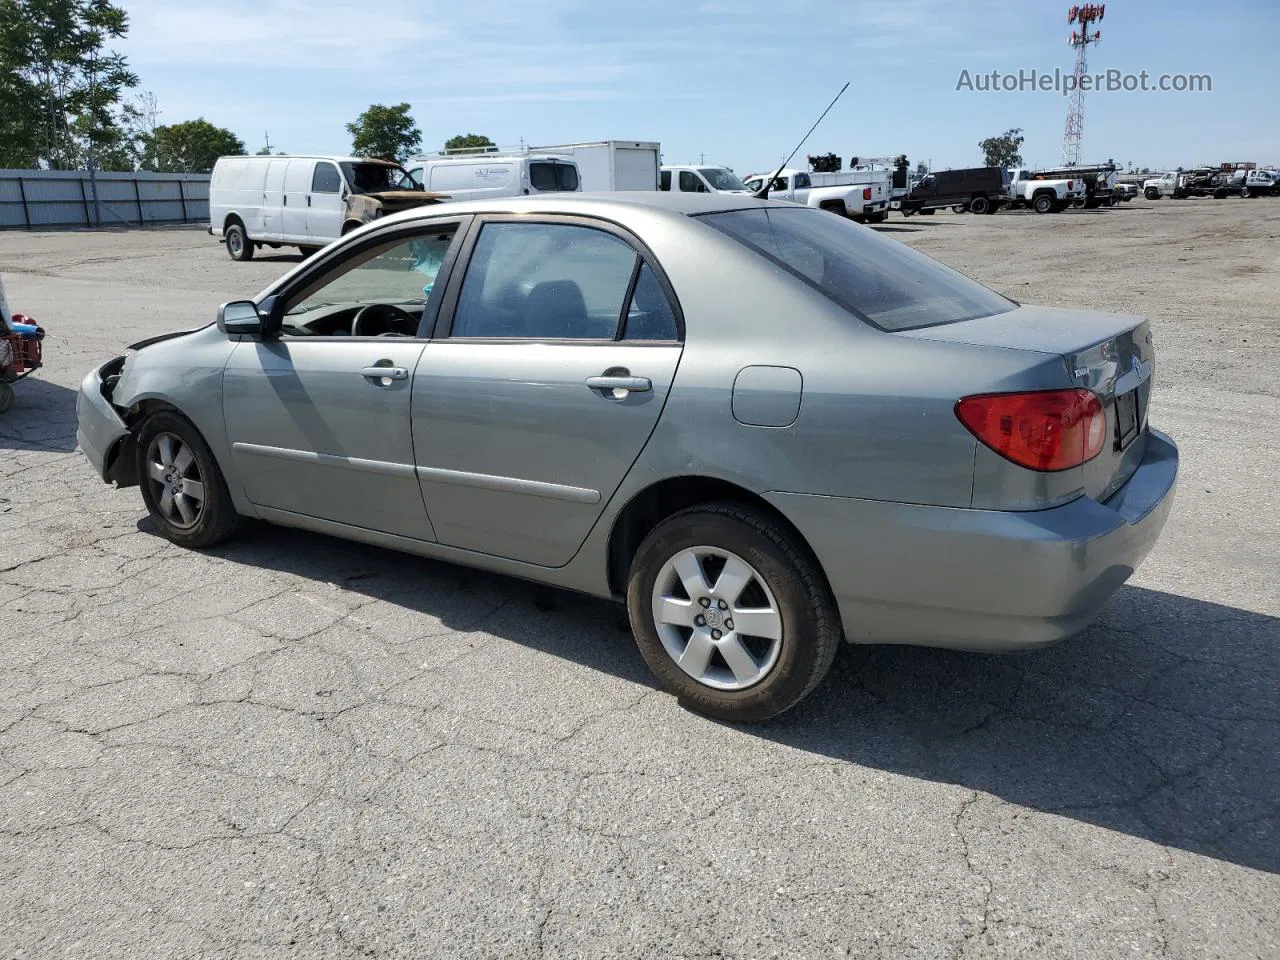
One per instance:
(878, 279)
(721, 179)
(376, 177)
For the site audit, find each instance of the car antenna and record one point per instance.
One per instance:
(763, 192)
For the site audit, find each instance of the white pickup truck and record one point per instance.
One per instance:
(1042, 195)
(1165, 185)
(866, 202)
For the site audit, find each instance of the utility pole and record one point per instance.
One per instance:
(92, 157)
(266, 138)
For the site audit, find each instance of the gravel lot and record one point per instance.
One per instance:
(298, 747)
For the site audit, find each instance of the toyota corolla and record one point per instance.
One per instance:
(766, 429)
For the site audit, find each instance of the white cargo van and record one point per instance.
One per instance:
(302, 201)
(607, 166)
(691, 179)
(477, 176)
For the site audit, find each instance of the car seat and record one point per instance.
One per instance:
(555, 309)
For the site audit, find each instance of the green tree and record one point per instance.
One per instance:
(387, 133)
(1004, 150)
(61, 90)
(190, 147)
(468, 141)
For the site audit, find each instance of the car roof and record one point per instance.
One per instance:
(596, 204)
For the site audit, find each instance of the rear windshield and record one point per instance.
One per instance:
(880, 280)
(553, 176)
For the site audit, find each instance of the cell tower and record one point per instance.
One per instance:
(1084, 18)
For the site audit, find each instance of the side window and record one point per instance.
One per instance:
(649, 315)
(326, 179)
(544, 281)
(399, 274)
(664, 180)
(802, 181)
(689, 182)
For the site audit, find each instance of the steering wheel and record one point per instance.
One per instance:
(383, 320)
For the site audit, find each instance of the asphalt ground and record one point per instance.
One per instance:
(293, 746)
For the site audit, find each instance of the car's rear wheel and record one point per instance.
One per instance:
(182, 487)
(239, 246)
(7, 398)
(1043, 203)
(979, 205)
(732, 612)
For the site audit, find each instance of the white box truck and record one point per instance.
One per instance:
(606, 166)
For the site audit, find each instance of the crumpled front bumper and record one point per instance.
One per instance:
(99, 426)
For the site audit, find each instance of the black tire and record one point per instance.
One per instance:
(810, 633)
(309, 251)
(239, 246)
(7, 397)
(927, 213)
(1245, 193)
(351, 225)
(1219, 194)
(215, 518)
(1151, 193)
(880, 217)
(1044, 203)
(979, 205)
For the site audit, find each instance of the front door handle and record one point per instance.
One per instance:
(626, 384)
(385, 373)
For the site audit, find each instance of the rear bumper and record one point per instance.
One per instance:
(983, 579)
(99, 427)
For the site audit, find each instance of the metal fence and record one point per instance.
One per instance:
(65, 198)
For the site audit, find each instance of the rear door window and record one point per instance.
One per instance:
(549, 177)
(664, 180)
(545, 281)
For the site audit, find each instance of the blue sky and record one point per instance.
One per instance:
(736, 82)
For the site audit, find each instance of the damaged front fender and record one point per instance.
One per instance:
(367, 207)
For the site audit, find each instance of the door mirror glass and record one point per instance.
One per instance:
(240, 318)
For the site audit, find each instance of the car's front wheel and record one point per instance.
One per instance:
(182, 487)
(732, 612)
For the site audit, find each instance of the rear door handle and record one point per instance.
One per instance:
(385, 373)
(626, 384)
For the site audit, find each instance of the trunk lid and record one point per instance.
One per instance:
(1109, 354)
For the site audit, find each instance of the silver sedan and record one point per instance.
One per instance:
(765, 428)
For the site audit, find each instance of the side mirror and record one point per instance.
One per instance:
(240, 318)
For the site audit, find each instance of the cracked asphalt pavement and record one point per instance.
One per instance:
(296, 747)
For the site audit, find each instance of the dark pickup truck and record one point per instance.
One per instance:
(976, 189)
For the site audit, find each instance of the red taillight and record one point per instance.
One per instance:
(1046, 430)
(1071, 184)
(866, 194)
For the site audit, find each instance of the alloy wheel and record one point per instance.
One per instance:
(176, 482)
(717, 618)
